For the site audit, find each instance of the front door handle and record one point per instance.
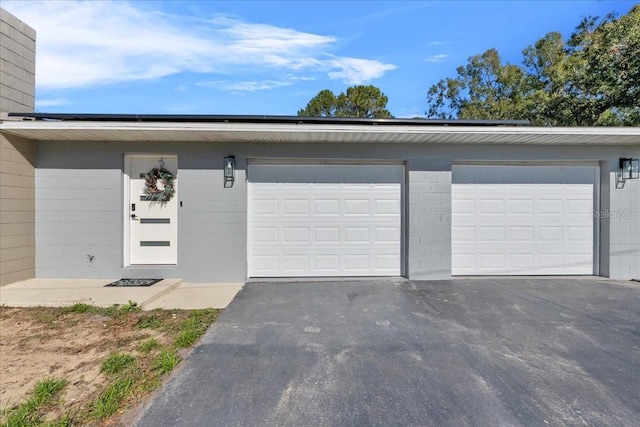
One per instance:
(133, 216)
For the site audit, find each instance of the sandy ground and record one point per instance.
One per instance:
(35, 344)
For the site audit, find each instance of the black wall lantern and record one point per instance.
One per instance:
(229, 171)
(629, 169)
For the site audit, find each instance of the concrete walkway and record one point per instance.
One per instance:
(166, 294)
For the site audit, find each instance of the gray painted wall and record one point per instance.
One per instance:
(79, 206)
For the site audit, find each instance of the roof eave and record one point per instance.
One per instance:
(314, 133)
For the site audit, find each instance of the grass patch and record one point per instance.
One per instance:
(109, 401)
(153, 321)
(187, 337)
(148, 345)
(194, 326)
(165, 361)
(136, 365)
(119, 309)
(78, 307)
(117, 363)
(28, 413)
(46, 317)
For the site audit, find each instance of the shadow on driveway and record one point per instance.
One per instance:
(439, 353)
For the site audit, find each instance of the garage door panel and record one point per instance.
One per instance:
(492, 207)
(326, 235)
(326, 207)
(520, 206)
(265, 207)
(579, 234)
(525, 262)
(492, 261)
(519, 227)
(268, 235)
(387, 235)
(463, 234)
(357, 207)
(492, 234)
(356, 235)
(524, 234)
(349, 226)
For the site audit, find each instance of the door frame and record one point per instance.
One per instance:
(126, 200)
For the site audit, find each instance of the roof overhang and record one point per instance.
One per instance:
(301, 132)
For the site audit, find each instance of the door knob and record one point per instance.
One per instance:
(133, 216)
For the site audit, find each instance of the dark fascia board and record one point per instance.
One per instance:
(204, 118)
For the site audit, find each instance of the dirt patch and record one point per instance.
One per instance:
(38, 343)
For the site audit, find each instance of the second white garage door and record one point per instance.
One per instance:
(522, 220)
(324, 220)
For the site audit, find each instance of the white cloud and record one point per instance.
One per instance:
(51, 102)
(87, 43)
(439, 43)
(358, 71)
(252, 86)
(436, 58)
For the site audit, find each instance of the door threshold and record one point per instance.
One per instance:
(325, 279)
(151, 266)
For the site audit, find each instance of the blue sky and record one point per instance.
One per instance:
(264, 57)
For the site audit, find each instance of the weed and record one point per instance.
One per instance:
(46, 389)
(118, 309)
(130, 307)
(108, 402)
(65, 420)
(78, 307)
(165, 361)
(149, 383)
(193, 327)
(46, 316)
(187, 337)
(28, 412)
(150, 322)
(116, 363)
(148, 345)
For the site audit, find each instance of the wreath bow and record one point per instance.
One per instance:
(151, 190)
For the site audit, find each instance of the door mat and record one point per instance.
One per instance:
(134, 282)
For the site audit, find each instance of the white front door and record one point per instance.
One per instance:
(153, 228)
(522, 220)
(324, 220)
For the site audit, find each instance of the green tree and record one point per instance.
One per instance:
(357, 101)
(483, 89)
(593, 78)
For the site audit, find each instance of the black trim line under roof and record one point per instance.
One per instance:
(205, 118)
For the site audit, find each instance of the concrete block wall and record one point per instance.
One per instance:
(428, 228)
(623, 215)
(80, 212)
(17, 210)
(17, 65)
(79, 190)
(212, 225)
(17, 156)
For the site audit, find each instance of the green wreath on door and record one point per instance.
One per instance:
(152, 192)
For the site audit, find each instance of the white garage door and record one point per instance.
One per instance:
(522, 220)
(324, 220)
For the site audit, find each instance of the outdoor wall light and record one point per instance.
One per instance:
(229, 171)
(629, 169)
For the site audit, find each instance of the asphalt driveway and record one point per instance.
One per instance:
(442, 353)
